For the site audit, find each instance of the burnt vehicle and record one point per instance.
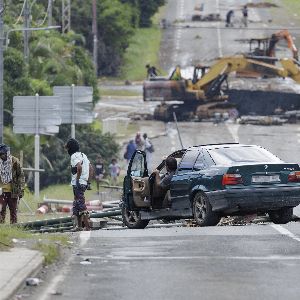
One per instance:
(212, 181)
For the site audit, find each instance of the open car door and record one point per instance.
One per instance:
(136, 183)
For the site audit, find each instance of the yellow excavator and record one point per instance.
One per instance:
(184, 96)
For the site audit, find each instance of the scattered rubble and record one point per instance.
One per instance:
(214, 17)
(261, 5)
(32, 281)
(261, 120)
(85, 262)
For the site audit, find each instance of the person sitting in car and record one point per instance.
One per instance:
(163, 183)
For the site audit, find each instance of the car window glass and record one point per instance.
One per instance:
(243, 154)
(138, 165)
(188, 160)
(208, 160)
(200, 162)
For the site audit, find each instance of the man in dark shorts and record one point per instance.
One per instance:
(164, 183)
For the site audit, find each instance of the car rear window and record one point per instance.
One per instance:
(245, 154)
(188, 160)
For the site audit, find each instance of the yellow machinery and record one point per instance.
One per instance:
(206, 85)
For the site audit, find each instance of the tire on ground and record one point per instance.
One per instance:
(281, 216)
(202, 211)
(132, 219)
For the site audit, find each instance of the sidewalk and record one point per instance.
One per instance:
(15, 266)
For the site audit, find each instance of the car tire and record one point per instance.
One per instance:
(132, 219)
(281, 216)
(202, 211)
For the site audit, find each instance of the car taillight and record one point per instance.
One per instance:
(231, 179)
(294, 176)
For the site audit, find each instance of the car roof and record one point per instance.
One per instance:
(222, 145)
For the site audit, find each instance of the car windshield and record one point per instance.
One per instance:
(244, 154)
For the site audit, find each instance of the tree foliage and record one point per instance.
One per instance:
(57, 59)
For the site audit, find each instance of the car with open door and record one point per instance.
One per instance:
(212, 181)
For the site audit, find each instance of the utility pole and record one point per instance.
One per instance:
(1, 72)
(95, 37)
(66, 16)
(26, 33)
(50, 6)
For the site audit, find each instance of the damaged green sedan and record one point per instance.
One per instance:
(212, 181)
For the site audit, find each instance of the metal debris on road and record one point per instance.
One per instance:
(32, 281)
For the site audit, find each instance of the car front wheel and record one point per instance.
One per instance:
(202, 211)
(281, 216)
(132, 219)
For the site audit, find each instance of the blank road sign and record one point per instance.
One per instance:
(82, 99)
(47, 115)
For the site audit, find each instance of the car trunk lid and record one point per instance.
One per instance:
(264, 174)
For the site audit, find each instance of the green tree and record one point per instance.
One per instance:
(147, 9)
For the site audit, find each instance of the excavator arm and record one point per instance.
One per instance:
(283, 34)
(220, 70)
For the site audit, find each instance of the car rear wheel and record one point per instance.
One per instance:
(202, 211)
(132, 219)
(281, 216)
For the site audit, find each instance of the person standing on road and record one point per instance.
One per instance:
(139, 143)
(130, 148)
(151, 71)
(80, 169)
(12, 182)
(149, 149)
(99, 171)
(114, 169)
(229, 17)
(245, 15)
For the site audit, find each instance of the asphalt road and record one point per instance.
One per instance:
(223, 262)
(236, 262)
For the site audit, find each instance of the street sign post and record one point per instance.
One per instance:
(76, 104)
(36, 115)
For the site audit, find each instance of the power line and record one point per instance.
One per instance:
(46, 14)
(21, 13)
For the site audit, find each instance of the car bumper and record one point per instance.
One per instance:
(254, 199)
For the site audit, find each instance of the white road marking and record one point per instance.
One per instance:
(219, 31)
(233, 129)
(52, 287)
(55, 282)
(84, 237)
(286, 232)
(146, 257)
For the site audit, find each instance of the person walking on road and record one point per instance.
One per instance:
(229, 17)
(99, 171)
(81, 170)
(12, 182)
(245, 15)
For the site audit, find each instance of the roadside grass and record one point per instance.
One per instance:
(143, 49)
(293, 5)
(47, 244)
(122, 93)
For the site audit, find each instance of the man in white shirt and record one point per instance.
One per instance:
(80, 169)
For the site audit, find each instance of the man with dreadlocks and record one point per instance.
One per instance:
(80, 169)
(12, 182)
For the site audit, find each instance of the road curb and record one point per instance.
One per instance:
(22, 269)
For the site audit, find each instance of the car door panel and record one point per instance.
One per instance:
(140, 190)
(180, 185)
(136, 186)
